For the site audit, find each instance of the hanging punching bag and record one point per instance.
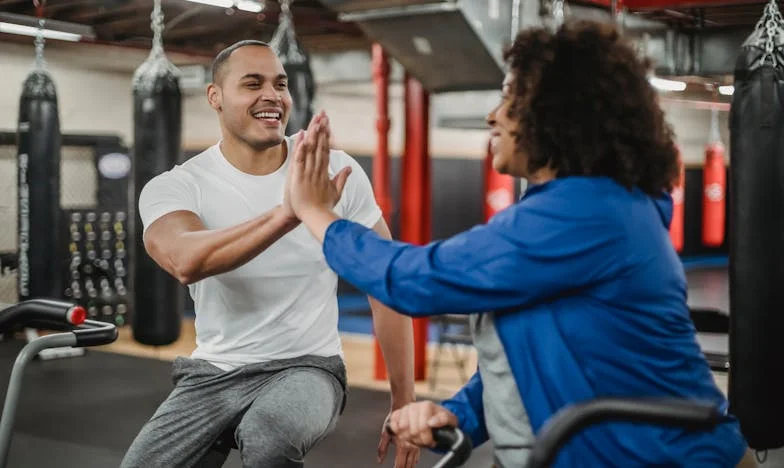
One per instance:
(158, 297)
(297, 66)
(714, 182)
(756, 270)
(678, 200)
(38, 162)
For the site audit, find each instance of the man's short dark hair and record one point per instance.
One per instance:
(223, 56)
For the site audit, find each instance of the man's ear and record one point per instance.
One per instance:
(214, 96)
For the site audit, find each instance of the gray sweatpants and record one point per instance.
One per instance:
(281, 410)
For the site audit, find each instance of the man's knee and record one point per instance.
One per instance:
(276, 440)
(282, 426)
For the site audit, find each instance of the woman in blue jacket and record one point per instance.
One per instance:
(575, 292)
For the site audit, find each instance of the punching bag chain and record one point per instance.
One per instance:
(40, 63)
(715, 135)
(157, 27)
(558, 13)
(772, 22)
(156, 63)
(286, 31)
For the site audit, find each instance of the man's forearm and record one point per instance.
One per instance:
(201, 254)
(395, 334)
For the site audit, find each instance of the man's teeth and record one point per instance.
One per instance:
(267, 115)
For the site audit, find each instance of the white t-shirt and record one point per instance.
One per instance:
(281, 304)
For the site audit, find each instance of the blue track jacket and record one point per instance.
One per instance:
(591, 301)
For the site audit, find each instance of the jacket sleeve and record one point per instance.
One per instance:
(522, 256)
(468, 407)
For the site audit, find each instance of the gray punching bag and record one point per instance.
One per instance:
(297, 66)
(158, 297)
(38, 163)
(756, 268)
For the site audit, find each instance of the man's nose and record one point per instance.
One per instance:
(269, 93)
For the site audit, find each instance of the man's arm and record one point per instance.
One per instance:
(181, 245)
(395, 335)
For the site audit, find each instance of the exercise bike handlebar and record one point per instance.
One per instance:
(569, 421)
(455, 443)
(58, 315)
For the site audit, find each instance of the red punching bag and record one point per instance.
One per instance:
(713, 189)
(499, 188)
(678, 198)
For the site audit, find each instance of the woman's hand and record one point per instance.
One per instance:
(415, 422)
(311, 193)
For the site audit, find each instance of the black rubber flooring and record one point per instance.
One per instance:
(85, 411)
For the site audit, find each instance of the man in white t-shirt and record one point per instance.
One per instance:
(268, 359)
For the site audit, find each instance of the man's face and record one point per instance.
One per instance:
(252, 97)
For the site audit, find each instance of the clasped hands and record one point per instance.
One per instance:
(310, 193)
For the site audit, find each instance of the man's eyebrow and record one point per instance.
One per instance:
(257, 76)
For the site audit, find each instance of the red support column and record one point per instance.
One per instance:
(499, 188)
(381, 163)
(415, 194)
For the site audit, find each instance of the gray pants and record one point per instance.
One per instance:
(280, 410)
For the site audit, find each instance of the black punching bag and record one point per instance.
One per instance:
(157, 119)
(756, 268)
(297, 65)
(38, 163)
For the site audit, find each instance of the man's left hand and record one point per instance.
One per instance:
(406, 453)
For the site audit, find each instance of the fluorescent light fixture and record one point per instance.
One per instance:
(11, 23)
(217, 3)
(422, 45)
(667, 85)
(250, 5)
(727, 90)
(253, 6)
(10, 28)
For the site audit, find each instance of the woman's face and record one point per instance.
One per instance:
(503, 131)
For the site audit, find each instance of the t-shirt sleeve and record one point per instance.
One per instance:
(165, 193)
(359, 201)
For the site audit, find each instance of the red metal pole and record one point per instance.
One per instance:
(415, 194)
(499, 188)
(381, 164)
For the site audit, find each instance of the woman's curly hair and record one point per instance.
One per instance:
(585, 107)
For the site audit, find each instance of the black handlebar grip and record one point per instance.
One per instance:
(59, 314)
(453, 440)
(567, 422)
(95, 333)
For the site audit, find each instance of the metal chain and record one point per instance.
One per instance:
(40, 63)
(771, 21)
(157, 27)
(558, 13)
(715, 133)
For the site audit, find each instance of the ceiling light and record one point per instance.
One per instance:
(217, 3)
(422, 45)
(253, 6)
(11, 23)
(250, 5)
(667, 85)
(10, 28)
(727, 90)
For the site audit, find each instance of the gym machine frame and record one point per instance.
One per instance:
(569, 421)
(47, 314)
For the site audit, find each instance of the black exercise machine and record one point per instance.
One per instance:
(569, 421)
(44, 314)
